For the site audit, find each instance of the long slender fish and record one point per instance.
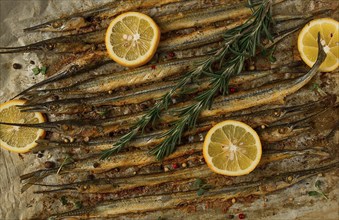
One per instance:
(143, 93)
(292, 116)
(122, 160)
(90, 20)
(114, 185)
(94, 40)
(87, 62)
(104, 126)
(233, 102)
(160, 202)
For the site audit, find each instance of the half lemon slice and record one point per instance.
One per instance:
(132, 39)
(308, 46)
(15, 138)
(232, 148)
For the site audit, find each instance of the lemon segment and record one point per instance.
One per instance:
(232, 148)
(15, 138)
(132, 39)
(308, 46)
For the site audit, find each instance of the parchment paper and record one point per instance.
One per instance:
(18, 14)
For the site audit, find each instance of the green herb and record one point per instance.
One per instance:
(78, 204)
(314, 193)
(319, 192)
(43, 70)
(315, 87)
(102, 113)
(36, 70)
(67, 159)
(64, 200)
(240, 43)
(202, 186)
(201, 192)
(198, 183)
(318, 184)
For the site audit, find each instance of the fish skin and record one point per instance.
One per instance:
(89, 42)
(85, 63)
(269, 116)
(159, 202)
(87, 128)
(137, 76)
(123, 159)
(114, 185)
(266, 94)
(80, 43)
(138, 95)
(91, 128)
(80, 21)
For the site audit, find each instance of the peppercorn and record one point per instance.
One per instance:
(49, 164)
(175, 166)
(96, 164)
(232, 90)
(17, 66)
(171, 54)
(241, 216)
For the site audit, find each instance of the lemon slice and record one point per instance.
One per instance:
(232, 148)
(308, 46)
(132, 39)
(14, 138)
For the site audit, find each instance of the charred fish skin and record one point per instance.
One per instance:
(115, 208)
(138, 76)
(138, 95)
(81, 21)
(114, 185)
(122, 159)
(267, 94)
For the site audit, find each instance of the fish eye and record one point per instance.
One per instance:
(50, 46)
(56, 24)
(282, 130)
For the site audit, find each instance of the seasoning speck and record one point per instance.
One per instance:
(96, 164)
(175, 166)
(17, 66)
(241, 216)
(32, 62)
(233, 200)
(171, 54)
(49, 164)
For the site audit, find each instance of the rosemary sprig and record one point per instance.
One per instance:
(246, 36)
(241, 43)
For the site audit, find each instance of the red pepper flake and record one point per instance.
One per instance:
(175, 166)
(241, 216)
(153, 67)
(232, 90)
(171, 54)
